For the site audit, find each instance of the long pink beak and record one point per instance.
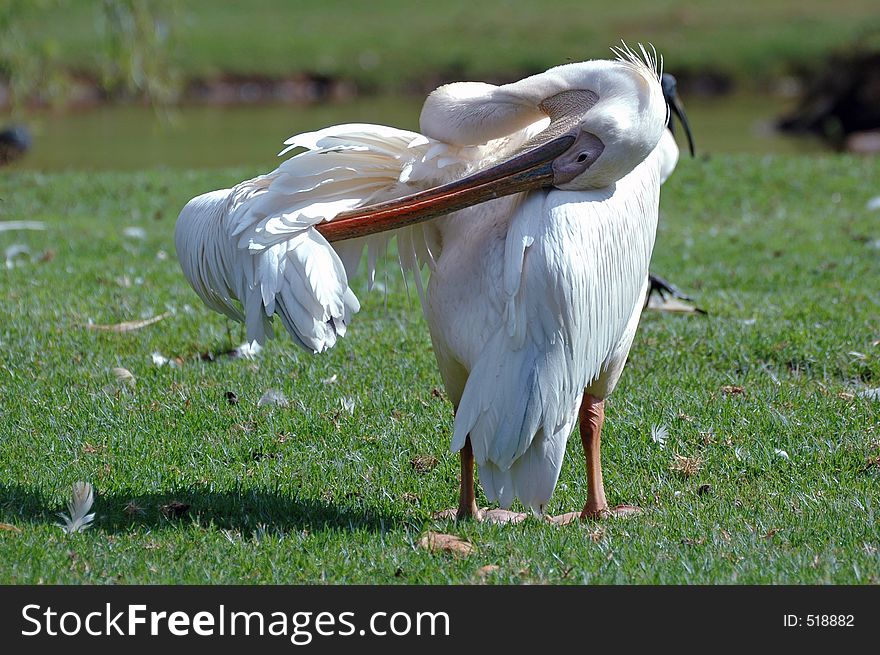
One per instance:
(525, 172)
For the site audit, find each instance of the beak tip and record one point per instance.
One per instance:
(678, 109)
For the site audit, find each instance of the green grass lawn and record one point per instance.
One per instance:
(371, 43)
(781, 251)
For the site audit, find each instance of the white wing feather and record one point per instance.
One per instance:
(256, 243)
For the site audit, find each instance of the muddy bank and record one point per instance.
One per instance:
(83, 91)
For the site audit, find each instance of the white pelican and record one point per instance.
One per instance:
(533, 299)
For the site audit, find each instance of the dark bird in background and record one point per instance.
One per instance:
(670, 92)
(841, 104)
(669, 158)
(15, 141)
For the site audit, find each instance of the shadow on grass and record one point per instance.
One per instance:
(245, 511)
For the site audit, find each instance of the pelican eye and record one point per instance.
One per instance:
(582, 158)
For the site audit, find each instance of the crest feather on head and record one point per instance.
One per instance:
(645, 60)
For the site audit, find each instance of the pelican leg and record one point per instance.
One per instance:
(592, 416)
(467, 499)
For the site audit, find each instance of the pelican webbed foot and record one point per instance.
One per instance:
(621, 511)
(498, 516)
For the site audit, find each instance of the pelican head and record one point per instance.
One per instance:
(600, 120)
(614, 110)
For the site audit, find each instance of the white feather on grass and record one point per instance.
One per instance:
(81, 499)
(273, 398)
(870, 394)
(8, 226)
(14, 252)
(659, 434)
(134, 232)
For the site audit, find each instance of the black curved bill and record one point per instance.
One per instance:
(677, 108)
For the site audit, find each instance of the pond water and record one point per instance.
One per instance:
(127, 138)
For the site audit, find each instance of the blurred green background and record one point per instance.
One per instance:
(127, 84)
